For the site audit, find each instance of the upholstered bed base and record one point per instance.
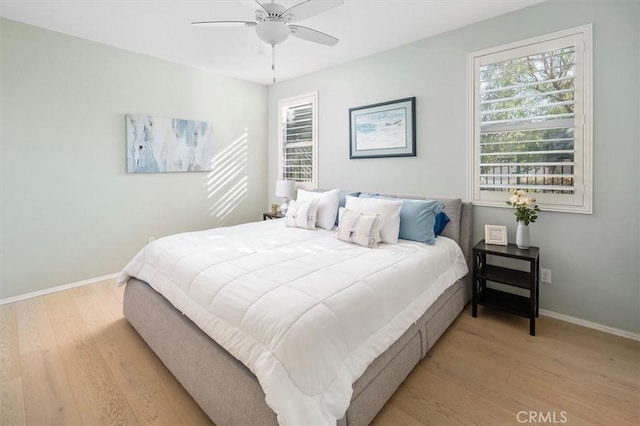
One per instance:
(231, 395)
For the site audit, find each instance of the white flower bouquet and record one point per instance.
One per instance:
(526, 207)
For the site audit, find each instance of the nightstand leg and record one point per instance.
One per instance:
(474, 286)
(533, 296)
(474, 307)
(538, 287)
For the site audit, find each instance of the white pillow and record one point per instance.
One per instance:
(358, 228)
(302, 214)
(327, 205)
(388, 209)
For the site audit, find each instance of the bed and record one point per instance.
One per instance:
(231, 394)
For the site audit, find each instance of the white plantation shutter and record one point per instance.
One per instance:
(527, 122)
(297, 134)
(298, 141)
(530, 121)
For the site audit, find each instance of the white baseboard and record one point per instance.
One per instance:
(56, 289)
(611, 330)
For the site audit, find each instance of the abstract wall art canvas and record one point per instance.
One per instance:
(160, 144)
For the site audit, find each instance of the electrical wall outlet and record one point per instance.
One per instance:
(150, 239)
(545, 275)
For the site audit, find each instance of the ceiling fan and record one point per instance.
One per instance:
(273, 23)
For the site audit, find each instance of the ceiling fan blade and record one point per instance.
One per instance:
(208, 24)
(261, 6)
(312, 35)
(309, 8)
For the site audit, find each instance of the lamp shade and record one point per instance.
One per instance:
(285, 188)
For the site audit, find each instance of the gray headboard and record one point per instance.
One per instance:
(459, 228)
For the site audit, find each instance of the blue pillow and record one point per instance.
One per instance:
(417, 218)
(441, 222)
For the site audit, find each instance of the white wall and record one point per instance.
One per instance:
(69, 209)
(594, 258)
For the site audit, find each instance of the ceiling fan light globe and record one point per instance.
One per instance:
(272, 32)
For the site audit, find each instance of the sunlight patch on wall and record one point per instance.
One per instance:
(228, 181)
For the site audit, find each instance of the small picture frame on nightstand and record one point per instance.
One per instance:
(495, 234)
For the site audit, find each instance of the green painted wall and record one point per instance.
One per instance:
(69, 210)
(594, 259)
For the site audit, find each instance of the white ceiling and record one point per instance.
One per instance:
(162, 29)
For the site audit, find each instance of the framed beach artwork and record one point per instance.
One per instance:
(386, 129)
(160, 144)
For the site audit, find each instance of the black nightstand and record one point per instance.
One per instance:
(482, 272)
(269, 216)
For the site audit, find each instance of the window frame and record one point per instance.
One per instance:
(292, 102)
(582, 199)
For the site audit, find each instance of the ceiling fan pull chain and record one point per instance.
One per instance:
(273, 61)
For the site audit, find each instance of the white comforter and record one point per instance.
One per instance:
(305, 312)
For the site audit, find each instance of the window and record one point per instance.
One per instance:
(530, 121)
(298, 140)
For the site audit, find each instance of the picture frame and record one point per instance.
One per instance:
(162, 144)
(495, 235)
(386, 129)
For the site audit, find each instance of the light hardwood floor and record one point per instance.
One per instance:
(71, 358)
